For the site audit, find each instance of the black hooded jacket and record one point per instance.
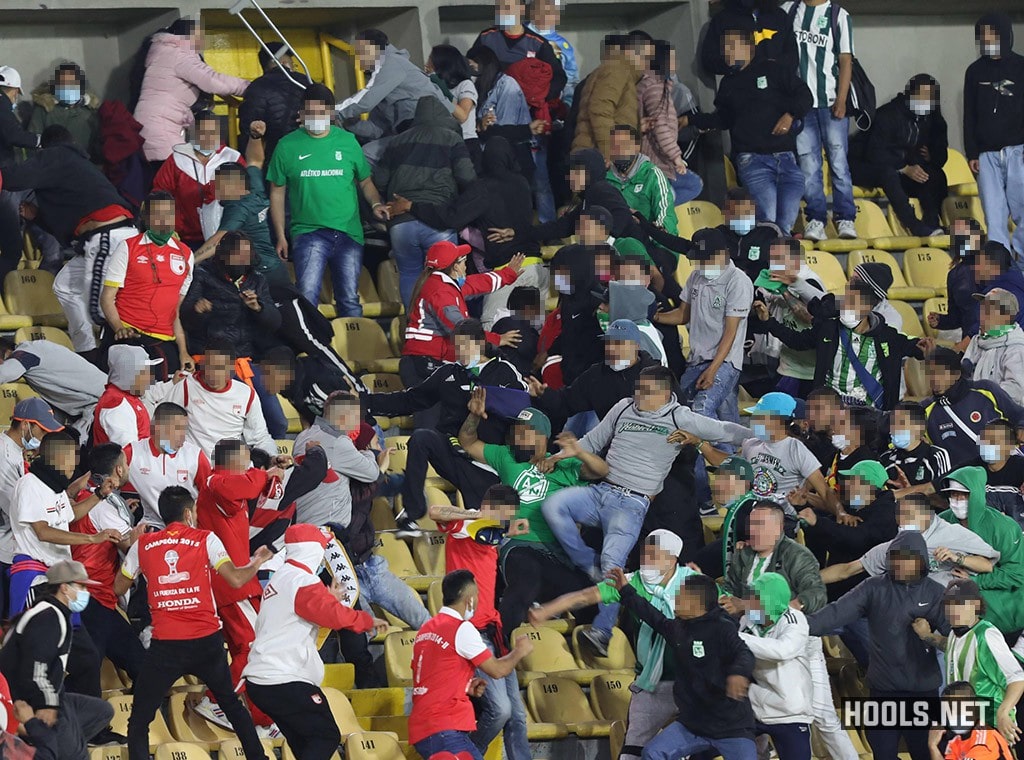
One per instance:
(994, 94)
(274, 99)
(896, 135)
(774, 30)
(579, 343)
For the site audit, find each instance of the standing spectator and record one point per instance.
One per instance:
(644, 185)
(824, 38)
(996, 353)
(34, 658)
(168, 76)
(994, 128)
(321, 166)
(187, 636)
(879, 278)
(545, 16)
(447, 651)
(12, 137)
(656, 92)
(448, 67)
(903, 153)
(393, 89)
(120, 415)
(758, 102)
(272, 98)
(994, 268)
(65, 100)
(428, 163)
(188, 175)
(772, 28)
(511, 41)
(146, 280)
(609, 96)
(966, 239)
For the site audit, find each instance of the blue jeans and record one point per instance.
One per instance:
(502, 707)
(719, 402)
(1001, 186)
(378, 585)
(821, 128)
(544, 199)
(686, 187)
(313, 252)
(676, 741)
(620, 515)
(776, 184)
(409, 243)
(455, 742)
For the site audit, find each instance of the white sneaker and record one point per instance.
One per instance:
(846, 229)
(814, 230)
(210, 710)
(269, 732)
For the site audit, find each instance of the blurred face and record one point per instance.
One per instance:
(911, 516)
(142, 381)
(603, 265)
(577, 179)
(546, 15)
(496, 511)
(739, 210)
(737, 50)
(207, 134)
(239, 255)
(217, 370)
(229, 187)
(904, 566)
(65, 460)
(654, 559)
(649, 396)
(765, 529)
(161, 216)
(508, 13)
(924, 100)
(276, 379)
(315, 111)
(822, 413)
(348, 417)
(859, 493)
(768, 427)
(940, 378)
(996, 445)
(902, 421)
(992, 316)
(526, 442)
(961, 612)
(66, 78)
(468, 352)
(620, 354)
(988, 39)
(173, 431)
(855, 306)
(985, 269)
(689, 604)
(590, 231)
(239, 461)
(632, 273)
(197, 39)
(714, 266)
(727, 487)
(623, 146)
(782, 259)
(366, 54)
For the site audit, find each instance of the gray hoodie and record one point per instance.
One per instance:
(999, 360)
(639, 455)
(390, 96)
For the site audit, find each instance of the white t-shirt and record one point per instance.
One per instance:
(12, 469)
(779, 467)
(463, 90)
(33, 501)
(110, 516)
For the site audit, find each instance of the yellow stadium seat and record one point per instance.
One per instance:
(400, 560)
(344, 715)
(434, 598)
(550, 655)
(373, 746)
(111, 683)
(188, 726)
(829, 270)
(181, 751)
(398, 657)
(12, 321)
(969, 207)
(832, 242)
(339, 675)
(29, 292)
(730, 173)
(872, 225)
(899, 290)
(396, 333)
(911, 322)
(290, 414)
(559, 700)
(620, 653)
(381, 515)
(387, 284)
(287, 754)
(158, 731)
(610, 695)
(544, 732)
(284, 446)
(926, 268)
(375, 305)
(361, 342)
(108, 752)
(231, 749)
(428, 551)
(382, 382)
(959, 177)
(697, 215)
(867, 192)
(938, 306)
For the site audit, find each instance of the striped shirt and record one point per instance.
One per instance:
(843, 378)
(819, 61)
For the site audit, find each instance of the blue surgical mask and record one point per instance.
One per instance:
(901, 439)
(712, 273)
(202, 151)
(563, 283)
(68, 95)
(165, 446)
(473, 362)
(989, 452)
(506, 20)
(760, 432)
(741, 225)
(755, 617)
(80, 602)
(856, 501)
(460, 281)
(32, 443)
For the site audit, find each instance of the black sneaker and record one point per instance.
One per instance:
(708, 510)
(407, 527)
(594, 640)
(108, 737)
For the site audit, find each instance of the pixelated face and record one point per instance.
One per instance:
(782, 259)
(66, 78)
(468, 352)
(239, 254)
(207, 134)
(366, 54)
(858, 491)
(739, 209)
(823, 414)
(690, 603)
(619, 350)
(649, 395)
(590, 231)
(736, 49)
(924, 99)
(526, 438)
(961, 612)
(577, 179)
(317, 109)
(910, 513)
(985, 269)
(65, 459)
(545, 14)
(855, 301)
(904, 566)
(633, 272)
(653, 555)
(623, 146)
(901, 420)
(229, 187)
(172, 430)
(160, 215)
(198, 38)
(728, 486)
(987, 35)
(940, 378)
(217, 369)
(143, 379)
(491, 510)
(991, 316)
(765, 529)
(277, 378)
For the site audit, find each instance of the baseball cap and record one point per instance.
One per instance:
(9, 77)
(535, 419)
(706, 243)
(444, 253)
(69, 571)
(962, 589)
(633, 248)
(623, 329)
(307, 534)
(870, 470)
(1004, 299)
(736, 466)
(38, 411)
(665, 540)
(954, 486)
(599, 214)
(781, 404)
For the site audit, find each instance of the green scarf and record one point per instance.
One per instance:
(650, 647)
(998, 332)
(441, 85)
(159, 238)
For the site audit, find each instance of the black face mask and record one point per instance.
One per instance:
(622, 165)
(960, 245)
(960, 630)
(522, 454)
(236, 271)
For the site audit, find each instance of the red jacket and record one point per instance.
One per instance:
(191, 184)
(114, 409)
(534, 78)
(223, 509)
(441, 306)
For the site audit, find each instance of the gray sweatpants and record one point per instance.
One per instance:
(649, 712)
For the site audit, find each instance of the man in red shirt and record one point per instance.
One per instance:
(187, 639)
(223, 508)
(447, 651)
(120, 415)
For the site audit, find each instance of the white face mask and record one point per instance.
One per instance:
(468, 614)
(991, 49)
(32, 443)
(849, 318)
(989, 452)
(506, 20)
(920, 107)
(651, 574)
(712, 273)
(563, 284)
(840, 441)
(317, 125)
(619, 365)
(958, 504)
(912, 526)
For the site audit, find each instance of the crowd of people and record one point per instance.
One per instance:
(150, 518)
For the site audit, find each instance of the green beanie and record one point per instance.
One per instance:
(773, 591)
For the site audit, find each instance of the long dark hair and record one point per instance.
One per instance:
(487, 72)
(661, 67)
(183, 27)
(450, 65)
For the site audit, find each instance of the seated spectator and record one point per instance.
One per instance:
(773, 34)
(167, 78)
(760, 123)
(815, 427)
(656, 92)
(1005, 467)
(273, 98)
(449, 70)
(879, 278)
(609, 96)
(643, 184)
(903, 153)
(120, 415)
(996, 353)
(910, 460)
(146, 281)
(22, 729)
(65, 100)
(994, 268)
(390, 96)
(966, 239)
(524, 312)
(428, 163)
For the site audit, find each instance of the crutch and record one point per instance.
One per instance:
(241, 5)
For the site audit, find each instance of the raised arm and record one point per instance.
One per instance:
(468, 438)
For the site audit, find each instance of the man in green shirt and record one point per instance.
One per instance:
(533, 564)
(321, 166)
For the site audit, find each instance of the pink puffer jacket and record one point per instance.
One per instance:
(656, 103)
(175, 75)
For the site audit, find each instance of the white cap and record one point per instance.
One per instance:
(9, 77)
(666, 540)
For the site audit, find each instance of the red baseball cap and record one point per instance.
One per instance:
(307, 534)
(443, 254)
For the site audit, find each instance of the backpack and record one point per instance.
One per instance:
(860, 100)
